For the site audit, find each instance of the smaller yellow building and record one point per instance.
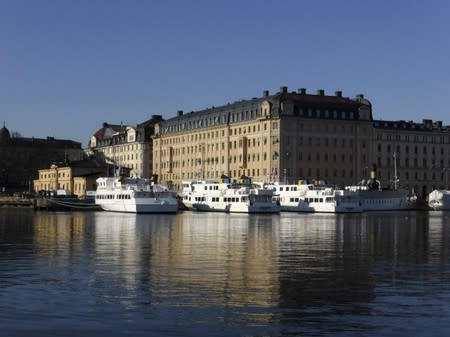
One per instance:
(74, 178)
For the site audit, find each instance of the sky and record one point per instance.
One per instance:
(68, 66)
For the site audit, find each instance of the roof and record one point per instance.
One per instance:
(103, 132)
(86, 163)
(322, 100)
(426, 125)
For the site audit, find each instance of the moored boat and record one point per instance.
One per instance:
(439, 200)
(375, 198)
(224, 196)
(315, 198)
(134, 195)
(62, 200)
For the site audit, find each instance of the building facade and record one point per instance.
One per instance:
(292, 136)
(74, 178)
(419, 151)
(128, 147)
(287, 136)
(21, 158)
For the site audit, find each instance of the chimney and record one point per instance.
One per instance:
(302, 91)
(266, 93)
(427, 122)
(283, 90)
(321, 92)
(360, 96)
(180, 113)
(338, 93)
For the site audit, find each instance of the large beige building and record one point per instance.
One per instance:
(291, 136)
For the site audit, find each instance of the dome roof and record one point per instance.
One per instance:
(4, 134)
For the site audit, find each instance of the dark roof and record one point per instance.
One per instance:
(48, 142)
(86, 163)
(153, 120)
(318, 100)
(100, 133)
(426, 125)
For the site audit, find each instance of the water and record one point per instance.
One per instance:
(198, 274)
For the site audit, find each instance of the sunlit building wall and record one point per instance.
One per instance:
(293, 136)
(287, 136)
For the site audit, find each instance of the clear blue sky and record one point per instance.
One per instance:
(68, 66)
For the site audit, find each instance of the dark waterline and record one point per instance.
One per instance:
(212, 274)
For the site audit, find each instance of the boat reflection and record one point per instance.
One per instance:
(291, 261)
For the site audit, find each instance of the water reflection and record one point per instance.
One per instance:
(297, 273)
(190, 260)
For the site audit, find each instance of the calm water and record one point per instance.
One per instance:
(192, 274)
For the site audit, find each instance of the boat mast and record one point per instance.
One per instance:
(395, 171)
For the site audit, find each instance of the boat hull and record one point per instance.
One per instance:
(236, 208)
(143, 207)
(320, 208)
(385, 200)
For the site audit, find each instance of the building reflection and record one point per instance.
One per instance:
(59, 235)
(291, 261)
(226, 259)
(123, 245)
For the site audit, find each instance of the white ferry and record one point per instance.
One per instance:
(314, 198)
(224, 196)
(134, 195)
(439, 200)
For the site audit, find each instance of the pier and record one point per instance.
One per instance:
(10, 201)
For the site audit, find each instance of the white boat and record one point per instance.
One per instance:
(224, 196)
(439, 200)
(312, 198)
(374, 198)
(134, 195)
(383, 199)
